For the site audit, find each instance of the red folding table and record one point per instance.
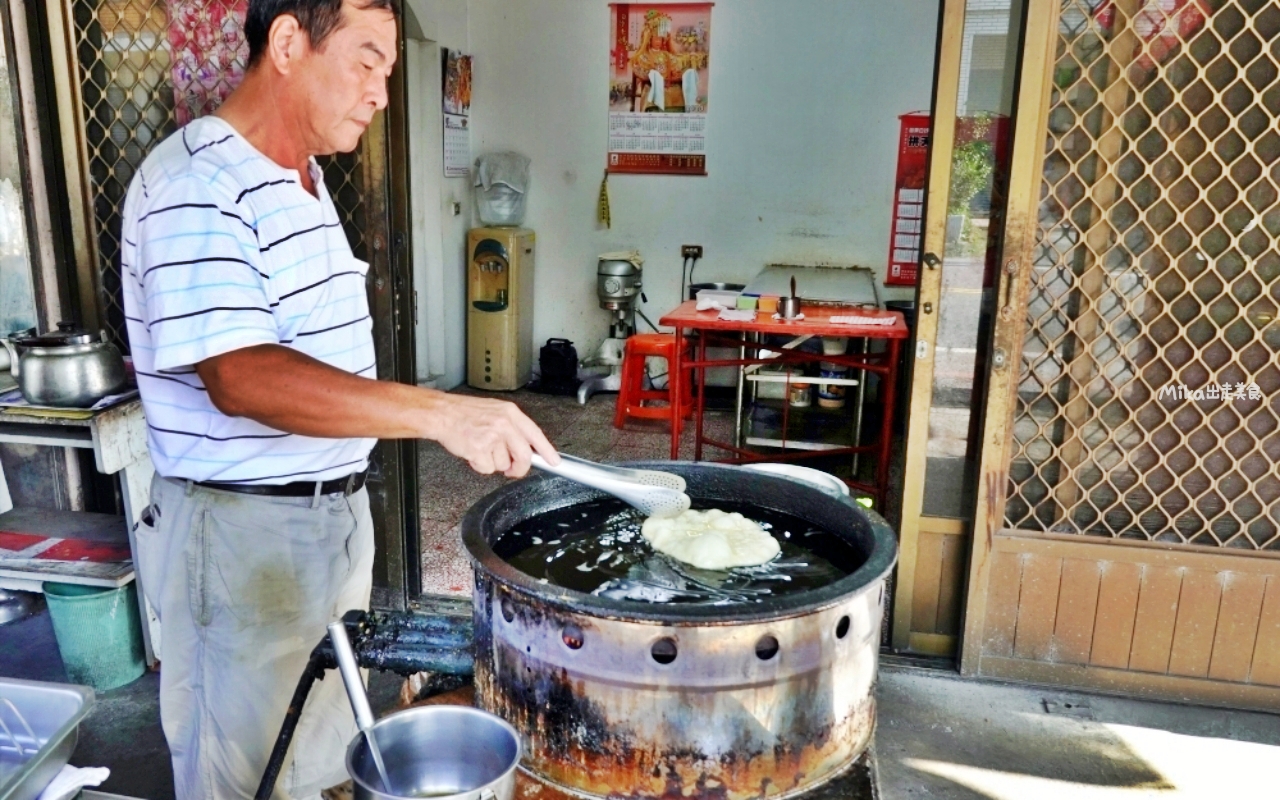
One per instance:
(714, 331)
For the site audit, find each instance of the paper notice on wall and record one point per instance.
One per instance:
(658, 87)
(457, 146)
(908, 201)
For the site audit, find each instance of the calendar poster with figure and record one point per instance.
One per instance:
(659, 56)
(457, 110)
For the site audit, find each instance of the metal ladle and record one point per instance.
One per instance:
(359, 700)
(657, 494)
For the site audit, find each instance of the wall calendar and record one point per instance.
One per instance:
(658, 57)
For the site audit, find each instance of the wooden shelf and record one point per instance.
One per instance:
(27, 574)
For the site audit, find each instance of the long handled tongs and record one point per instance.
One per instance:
(657, 494)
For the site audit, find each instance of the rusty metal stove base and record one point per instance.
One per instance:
(616, 699)
(858, 782)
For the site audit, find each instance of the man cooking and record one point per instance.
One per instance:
(251, 340)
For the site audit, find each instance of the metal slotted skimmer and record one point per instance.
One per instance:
(657, 494)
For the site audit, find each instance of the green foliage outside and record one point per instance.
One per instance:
(972, 168)
(972, 164)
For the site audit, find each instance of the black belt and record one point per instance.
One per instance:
(347, 486)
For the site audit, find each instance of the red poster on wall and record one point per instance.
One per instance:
(658, 88)
(908, 200)
(208, 52)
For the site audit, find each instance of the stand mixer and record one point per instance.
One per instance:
(618, 287)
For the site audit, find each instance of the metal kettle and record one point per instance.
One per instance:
(69, 367)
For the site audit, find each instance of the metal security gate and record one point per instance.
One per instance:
(125, 103)
(1129, 510)
(116, 101)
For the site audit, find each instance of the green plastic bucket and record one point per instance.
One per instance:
(99, 633)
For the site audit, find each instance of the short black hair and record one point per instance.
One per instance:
(318, 18)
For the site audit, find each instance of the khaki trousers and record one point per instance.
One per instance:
(244, 586)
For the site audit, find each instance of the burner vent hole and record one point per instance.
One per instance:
(572, 636)
(767, 647)
(508, 611)
(664, 650)
(842, 627)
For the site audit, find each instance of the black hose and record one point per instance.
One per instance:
(394, 642)
(316, 666)
(646, 319)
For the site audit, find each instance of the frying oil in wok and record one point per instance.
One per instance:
(596, 548)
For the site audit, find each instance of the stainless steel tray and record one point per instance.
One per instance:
(40, 726)
(829, 285)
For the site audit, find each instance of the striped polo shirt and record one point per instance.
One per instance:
(223, 249)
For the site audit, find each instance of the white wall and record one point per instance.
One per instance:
(439, 268)
(803, 120)
(426, 206)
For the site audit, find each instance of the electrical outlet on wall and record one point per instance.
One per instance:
(691, 250)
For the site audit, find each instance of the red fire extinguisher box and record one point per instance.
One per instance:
(908, 200)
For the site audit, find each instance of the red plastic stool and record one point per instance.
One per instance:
(632, 396)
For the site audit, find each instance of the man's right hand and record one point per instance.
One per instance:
(492, 435)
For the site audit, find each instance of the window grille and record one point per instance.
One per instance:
(1155, 280)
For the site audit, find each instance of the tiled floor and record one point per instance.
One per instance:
(449, 487)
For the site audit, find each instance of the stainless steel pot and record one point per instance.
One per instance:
(443, 752)
(68, 367)
(613, 697)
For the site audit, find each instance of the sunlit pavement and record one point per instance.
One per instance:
(942, 737)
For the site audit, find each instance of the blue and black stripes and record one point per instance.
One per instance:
(225, 250)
